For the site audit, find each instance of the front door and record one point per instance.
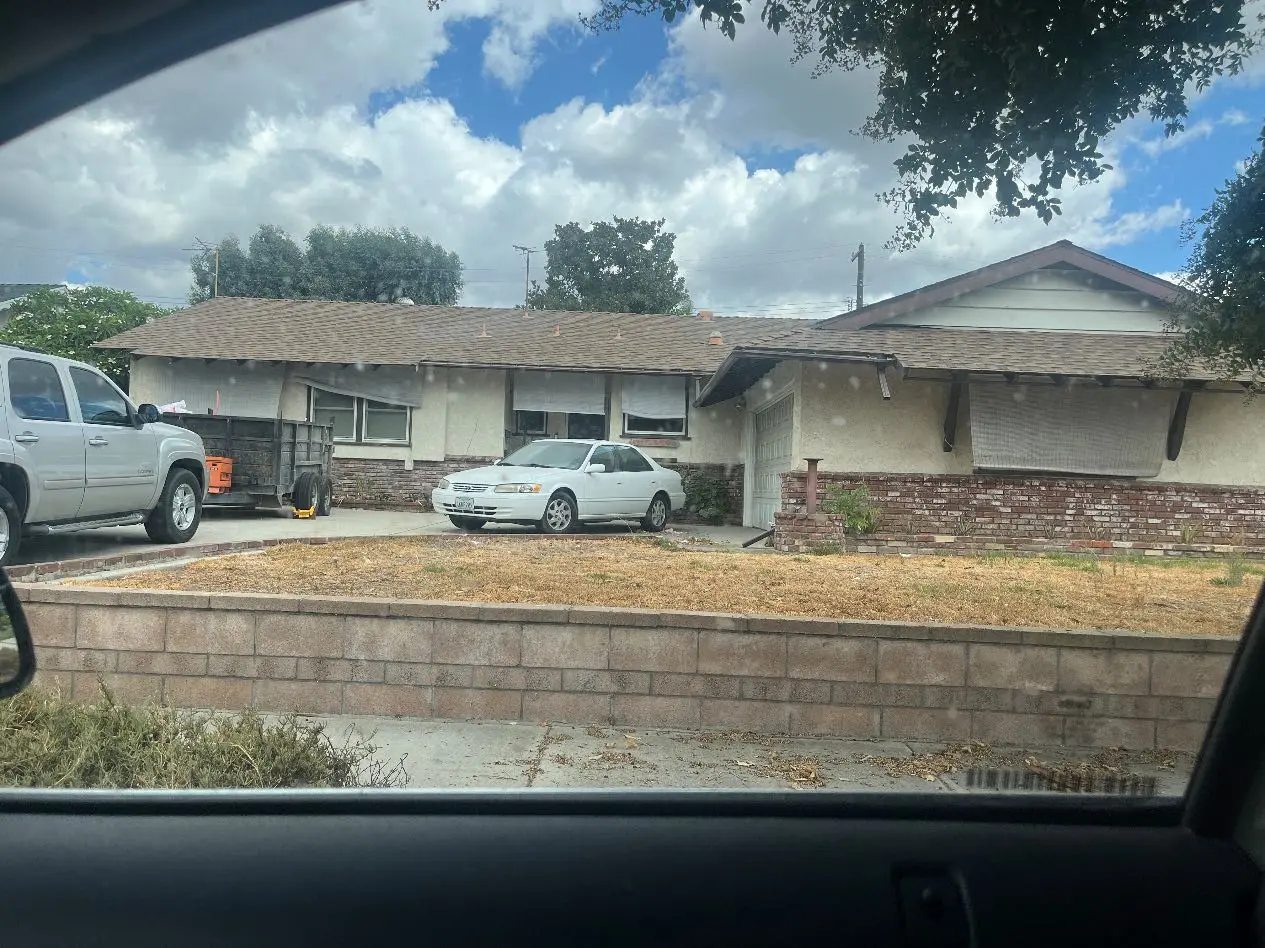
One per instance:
(47, 442)
(602, 492)
(122, 460)
(772, 449)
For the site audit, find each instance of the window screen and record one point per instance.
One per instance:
(384, 422)
(1078, 429)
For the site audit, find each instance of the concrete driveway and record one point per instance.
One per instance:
(223, 525)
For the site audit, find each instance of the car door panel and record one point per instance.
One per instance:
(639, 482)
(602, 491)
(48, 442)
(121, 460)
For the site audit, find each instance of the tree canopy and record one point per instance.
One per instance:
(1225, 315)
(66, 321)
(1013, 97)
(337, 264)
(620, 267)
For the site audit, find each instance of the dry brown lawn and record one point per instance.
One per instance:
(1061, 593)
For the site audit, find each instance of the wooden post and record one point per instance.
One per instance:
(810, 486)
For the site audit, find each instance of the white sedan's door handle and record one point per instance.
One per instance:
(98, 442)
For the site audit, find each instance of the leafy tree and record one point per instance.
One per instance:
(1225, 315)
(1009, 96)
(338, 264)
(620, 267)
(66, 321)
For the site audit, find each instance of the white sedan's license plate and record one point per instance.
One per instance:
(464, 504)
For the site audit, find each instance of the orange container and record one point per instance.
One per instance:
(220, 472)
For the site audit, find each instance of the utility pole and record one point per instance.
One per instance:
(859, 257)
(526, 252)
(204, 247)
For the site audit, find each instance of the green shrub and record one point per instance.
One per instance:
(50, 741)
(707, 496)
(860, 516)
(1235, 569)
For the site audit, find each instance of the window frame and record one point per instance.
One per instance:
(684, 431)
(519, 428)
(60, 381)
(359, 412)
(127, 404)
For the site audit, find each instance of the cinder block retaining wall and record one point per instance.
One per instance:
(628, 667)
(967, 513)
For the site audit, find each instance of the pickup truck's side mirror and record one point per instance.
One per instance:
(595, 469)
(17, 652)
(148, 414)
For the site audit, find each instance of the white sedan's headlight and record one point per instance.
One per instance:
(516, 489)
(444, 483)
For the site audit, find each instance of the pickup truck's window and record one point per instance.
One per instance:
(36, 392)
(99, 403)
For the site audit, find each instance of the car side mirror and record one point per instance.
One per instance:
(17, 651)
(595, 469)
(148, 414)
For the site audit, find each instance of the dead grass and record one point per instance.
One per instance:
(1181, 599)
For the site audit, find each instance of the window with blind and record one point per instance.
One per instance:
(655, 404)
(360, 419)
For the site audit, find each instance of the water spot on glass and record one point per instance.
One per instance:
(838, 421)
(821, 384)
(822, 366)
(1019, 395)
(459, 379)
(952, 712)
(232, 380)
(360, 366)
(855, 382)
(766, 384)
(430, 373)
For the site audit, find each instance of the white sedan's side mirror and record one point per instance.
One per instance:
(595, 469)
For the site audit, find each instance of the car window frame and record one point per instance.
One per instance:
(130, 409)
(61, 382)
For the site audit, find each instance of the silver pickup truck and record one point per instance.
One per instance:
(75, 453)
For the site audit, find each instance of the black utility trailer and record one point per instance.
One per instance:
(276, 462)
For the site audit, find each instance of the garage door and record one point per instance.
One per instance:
(773, 427)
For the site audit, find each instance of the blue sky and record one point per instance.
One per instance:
(489, 123)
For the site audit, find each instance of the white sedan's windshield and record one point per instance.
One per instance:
(568, 455)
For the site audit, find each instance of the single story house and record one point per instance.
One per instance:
(418, 392)
(1018, 402)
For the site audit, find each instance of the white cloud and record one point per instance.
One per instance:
(274, 130)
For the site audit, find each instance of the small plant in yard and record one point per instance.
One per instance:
(50, 741)
(1085, 562)
(1189, 533)
(860, 516)
(707, 496)
(826, 549)
(1235, 569)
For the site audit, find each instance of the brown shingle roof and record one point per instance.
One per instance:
(399, 334)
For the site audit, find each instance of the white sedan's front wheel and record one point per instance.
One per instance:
(560, 514)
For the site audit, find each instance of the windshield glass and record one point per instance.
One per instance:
(925, 368)
(562, 454)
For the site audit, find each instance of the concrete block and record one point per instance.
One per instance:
(125, 689)
(654, 711)
(609, 682)
(1092, 671)
(345, 606)
(406, 673)
(393, 640)
(792, 626)
(1133, 734)
(478, 704)
(388, 700)
(162, 663)
(120, 628)
(1026, 730)
(753, 654)
(458, 642)
(700, 620)
(697, 686)
(1192, 676)
(305, 697)
(1180, 735)
(223, 694)
(453, 676)
(824, 720)
(561, 707)
(566, 646)
(51, 623)
(831, 659)
(339, 669)
(1025, 667)
(922, 663)
(863, 693)
(646, 649)
(763, 717)
(223, 633)
(926, 724)
(607, 615)
(518, 679)
(252, 602)
(299, 634)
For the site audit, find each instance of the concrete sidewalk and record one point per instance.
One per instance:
(482, 755)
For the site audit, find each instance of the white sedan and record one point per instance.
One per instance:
(556, 484)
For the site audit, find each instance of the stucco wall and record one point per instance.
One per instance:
(1224, 434)
(1046, 299)
(475, 418)
(245, 389)
(844, 420)
(714, 433)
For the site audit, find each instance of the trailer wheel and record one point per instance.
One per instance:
(324, 497)
(303, 494)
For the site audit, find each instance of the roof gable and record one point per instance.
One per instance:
(1062, 257)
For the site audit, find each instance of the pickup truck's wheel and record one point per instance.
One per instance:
(657, 513)
(468, 523)
(324, 497)
(10, 527)
(179, 510)
(560, 514)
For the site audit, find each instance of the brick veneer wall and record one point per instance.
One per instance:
(379, 481)
(1052, 509)
(628, 667)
